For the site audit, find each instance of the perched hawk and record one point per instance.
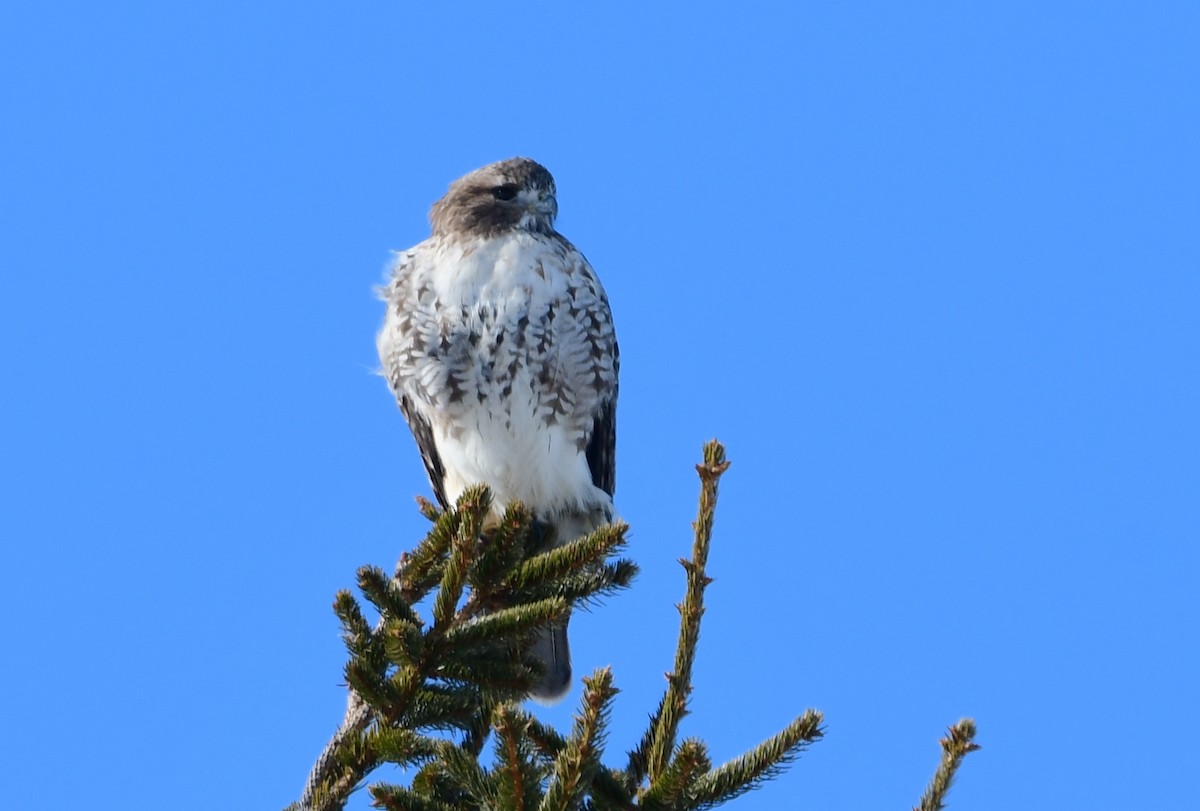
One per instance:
(499, 346)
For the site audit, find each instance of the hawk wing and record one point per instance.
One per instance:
(602, 447)
(423, 433)
(396, 355)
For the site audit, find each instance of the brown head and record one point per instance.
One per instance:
(504, 196)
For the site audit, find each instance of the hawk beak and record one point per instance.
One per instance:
(546, 204)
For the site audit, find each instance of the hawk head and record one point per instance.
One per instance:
(504, 196)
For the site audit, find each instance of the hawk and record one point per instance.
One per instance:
(499, 346)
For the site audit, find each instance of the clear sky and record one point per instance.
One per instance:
(930, 270)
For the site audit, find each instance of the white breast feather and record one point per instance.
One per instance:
(505, 346)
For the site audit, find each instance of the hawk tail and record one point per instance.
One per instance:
(551, 649)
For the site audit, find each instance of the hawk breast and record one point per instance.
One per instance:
(505, 349)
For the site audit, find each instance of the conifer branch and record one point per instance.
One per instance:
(608, 790)
(505, 548)
(578, 761)
(357, 635)
(586, 589)
(472, 508)
(418, 571)
(507, 622)
(674, 786)
(518, 779)
(653, 754)
(958, 743)
(570, 559)
(385, 594)
(451, 675)
(398, 798)
(463, 771)
(759, 764)
(403, 641)
(547, 739)
(402, 746)
(428, 509)
(426, 695)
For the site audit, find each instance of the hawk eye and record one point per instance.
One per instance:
(505, 192)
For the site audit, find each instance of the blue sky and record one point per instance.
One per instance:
(930, 270)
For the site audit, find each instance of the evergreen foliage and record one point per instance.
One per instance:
(427, 694)
(958, 743)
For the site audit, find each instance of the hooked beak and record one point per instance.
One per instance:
(545, 204)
